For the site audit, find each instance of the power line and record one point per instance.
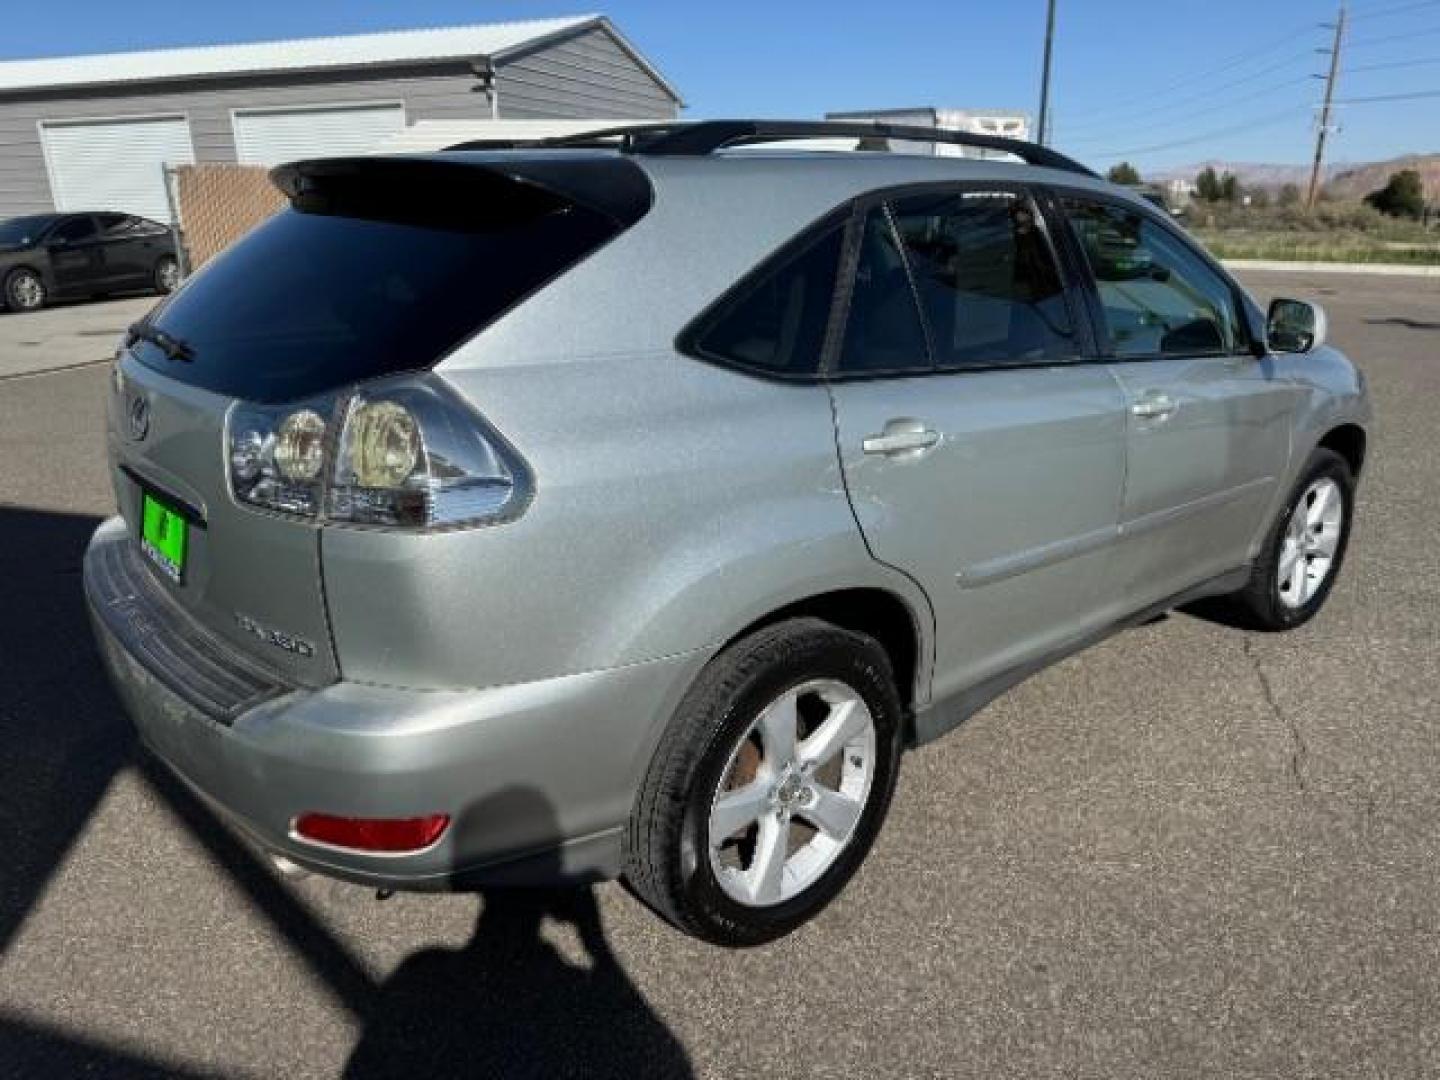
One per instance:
(1394, 64)
(1413, 96)
(1271, 120)
(1398, 9)
(1171, 121)
(1365, 43)
(1204, 95)
(1235, 60)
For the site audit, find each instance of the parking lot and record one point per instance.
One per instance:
(1188, 852)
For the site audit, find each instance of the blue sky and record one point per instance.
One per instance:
(1161, 83)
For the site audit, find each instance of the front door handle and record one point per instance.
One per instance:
(1154, 407)
(900, 438)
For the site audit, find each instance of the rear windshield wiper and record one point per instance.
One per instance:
(169, 344)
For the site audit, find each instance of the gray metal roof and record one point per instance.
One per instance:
(492, 40)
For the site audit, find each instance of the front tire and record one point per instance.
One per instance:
(769, 785)
(24, 290)
(167, 274)
(1304, 549)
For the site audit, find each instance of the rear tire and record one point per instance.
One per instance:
(1303, 551)
(24, 290)
(740, 833)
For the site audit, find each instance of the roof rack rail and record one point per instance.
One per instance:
(702, 137)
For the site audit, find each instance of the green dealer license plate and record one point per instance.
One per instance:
(163, 537)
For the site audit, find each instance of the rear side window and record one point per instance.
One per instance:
(1158, 296)
(986, 279)
(365, 277)
(777, 323)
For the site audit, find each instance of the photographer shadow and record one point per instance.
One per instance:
(509, 1003)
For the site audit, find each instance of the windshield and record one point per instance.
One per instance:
(23, 230)
(354, 284)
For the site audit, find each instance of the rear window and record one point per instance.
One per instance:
(384, 269)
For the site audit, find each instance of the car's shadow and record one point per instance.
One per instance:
(1408, 323)
(509, 1002)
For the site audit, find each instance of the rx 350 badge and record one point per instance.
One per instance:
(298, 646)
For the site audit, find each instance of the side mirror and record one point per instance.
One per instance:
(1295, 326)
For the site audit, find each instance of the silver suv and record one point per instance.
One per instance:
(626, 506)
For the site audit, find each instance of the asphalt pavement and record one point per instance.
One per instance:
(1190, 851)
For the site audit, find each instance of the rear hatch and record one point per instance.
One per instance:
(380, 266)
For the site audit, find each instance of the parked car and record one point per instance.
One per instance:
(46, 257)
(582, 510)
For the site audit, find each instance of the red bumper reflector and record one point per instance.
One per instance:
(373, 834)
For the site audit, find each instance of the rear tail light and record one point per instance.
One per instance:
(388, 835)
(404, 453)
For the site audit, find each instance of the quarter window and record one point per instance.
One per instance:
(1158, 296)
(777, 324)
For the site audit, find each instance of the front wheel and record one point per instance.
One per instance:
(1303, 552)
(24, 290)
(770, 784)
(167, 274)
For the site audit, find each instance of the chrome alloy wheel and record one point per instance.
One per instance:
(792, 793)
(168, 275)
(26, 291)
(1311, 540)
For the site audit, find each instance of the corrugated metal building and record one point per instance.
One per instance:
(92, 132)
(1009, 123)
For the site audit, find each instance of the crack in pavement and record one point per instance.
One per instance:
(1300, 752)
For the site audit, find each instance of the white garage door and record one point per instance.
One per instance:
(272, 136)
(115, 164)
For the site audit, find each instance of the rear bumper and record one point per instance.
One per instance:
(538, 777)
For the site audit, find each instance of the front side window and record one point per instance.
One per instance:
(1159, 297)
(777, 324)
(986, 279)
(72, 229)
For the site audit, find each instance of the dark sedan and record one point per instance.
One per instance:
(47, 257)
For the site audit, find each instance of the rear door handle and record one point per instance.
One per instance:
(1154, 407)
(901, 437)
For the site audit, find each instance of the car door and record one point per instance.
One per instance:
(124, 260)
(74, 251)
(1208, 419)
(983, 454)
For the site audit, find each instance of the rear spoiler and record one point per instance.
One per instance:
(464, 193)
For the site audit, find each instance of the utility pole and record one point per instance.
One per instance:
(1325, 110)
(1043, 127)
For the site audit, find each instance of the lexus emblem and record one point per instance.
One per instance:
(138, 417)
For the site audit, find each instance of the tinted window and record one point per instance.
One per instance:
(23, 230)
(1159, 297)
(986, 279)
(369, 278)
(882, 330)
(73, 229)
(778, 323)
(118, 225)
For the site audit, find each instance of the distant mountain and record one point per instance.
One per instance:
(1250, 173)
(1358, 181)
(1347, 180)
